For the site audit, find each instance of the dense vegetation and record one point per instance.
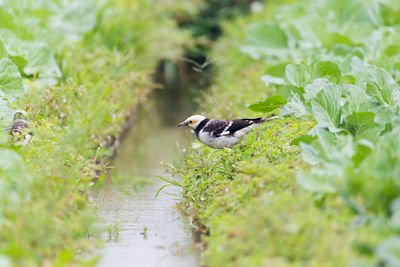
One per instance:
(320, 186)
(78, 68)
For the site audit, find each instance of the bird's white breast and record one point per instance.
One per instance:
(219, 142)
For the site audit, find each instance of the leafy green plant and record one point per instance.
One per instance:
(113, 232)
(171, 182)
(338, 75)
(270, 104)
(60, 62)
(335, 65)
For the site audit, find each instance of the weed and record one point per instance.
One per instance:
(112, 232)
(144, 232)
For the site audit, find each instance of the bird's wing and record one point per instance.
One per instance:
(219, 128)
(216, 127)
(238, 124)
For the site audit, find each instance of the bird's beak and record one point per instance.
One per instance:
(182, 124)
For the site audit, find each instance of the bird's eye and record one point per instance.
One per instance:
(190, 122)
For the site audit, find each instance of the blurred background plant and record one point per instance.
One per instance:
(80, 69)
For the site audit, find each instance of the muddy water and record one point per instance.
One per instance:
(138, 229)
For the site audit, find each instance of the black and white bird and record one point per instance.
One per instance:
(221, 133)
(21, 128)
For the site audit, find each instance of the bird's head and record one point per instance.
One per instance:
(192, 122)
(20, 114)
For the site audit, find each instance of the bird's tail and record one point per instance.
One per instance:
(269, 119)
(262, 120)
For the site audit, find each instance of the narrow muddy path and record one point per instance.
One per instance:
(140, 230)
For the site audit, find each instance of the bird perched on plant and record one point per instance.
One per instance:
(21, 127)
(221, 133)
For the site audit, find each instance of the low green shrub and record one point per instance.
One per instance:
(81, 68)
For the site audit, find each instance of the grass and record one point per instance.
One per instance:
(252, 211)
(246, 201)
(113, 232)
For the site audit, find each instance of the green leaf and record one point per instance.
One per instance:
(268, 80)
(348, 79)
(312, 89)
(376, 177)
(3, 51)
(329, 148)
(356, 99)
(385, 119)
(11, 42)
(40, 60)
(376, 75)
(327, 108)
(12, 165)
(358, 122)
(286, 90)
(327, 69)
(268, 105)
(32, 57)
(383, 94)
(350, 11)
(327, 144)
(78, 17)
(169, 181)
(15, 177)
(297, 75)
(266, 40)
(266, 34)
(352, 18)
(341, 49)
(6, 113)
(315, 182)
(361, 151)
(277, 70)
(348, 50)
(10, 79)
(19, 61)
(305, 138)
(6, 19)
(160, 189)
(330, 39)
(295, 107)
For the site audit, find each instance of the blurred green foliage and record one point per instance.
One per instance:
(207, 21)
(79, 68)
(344, 73)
